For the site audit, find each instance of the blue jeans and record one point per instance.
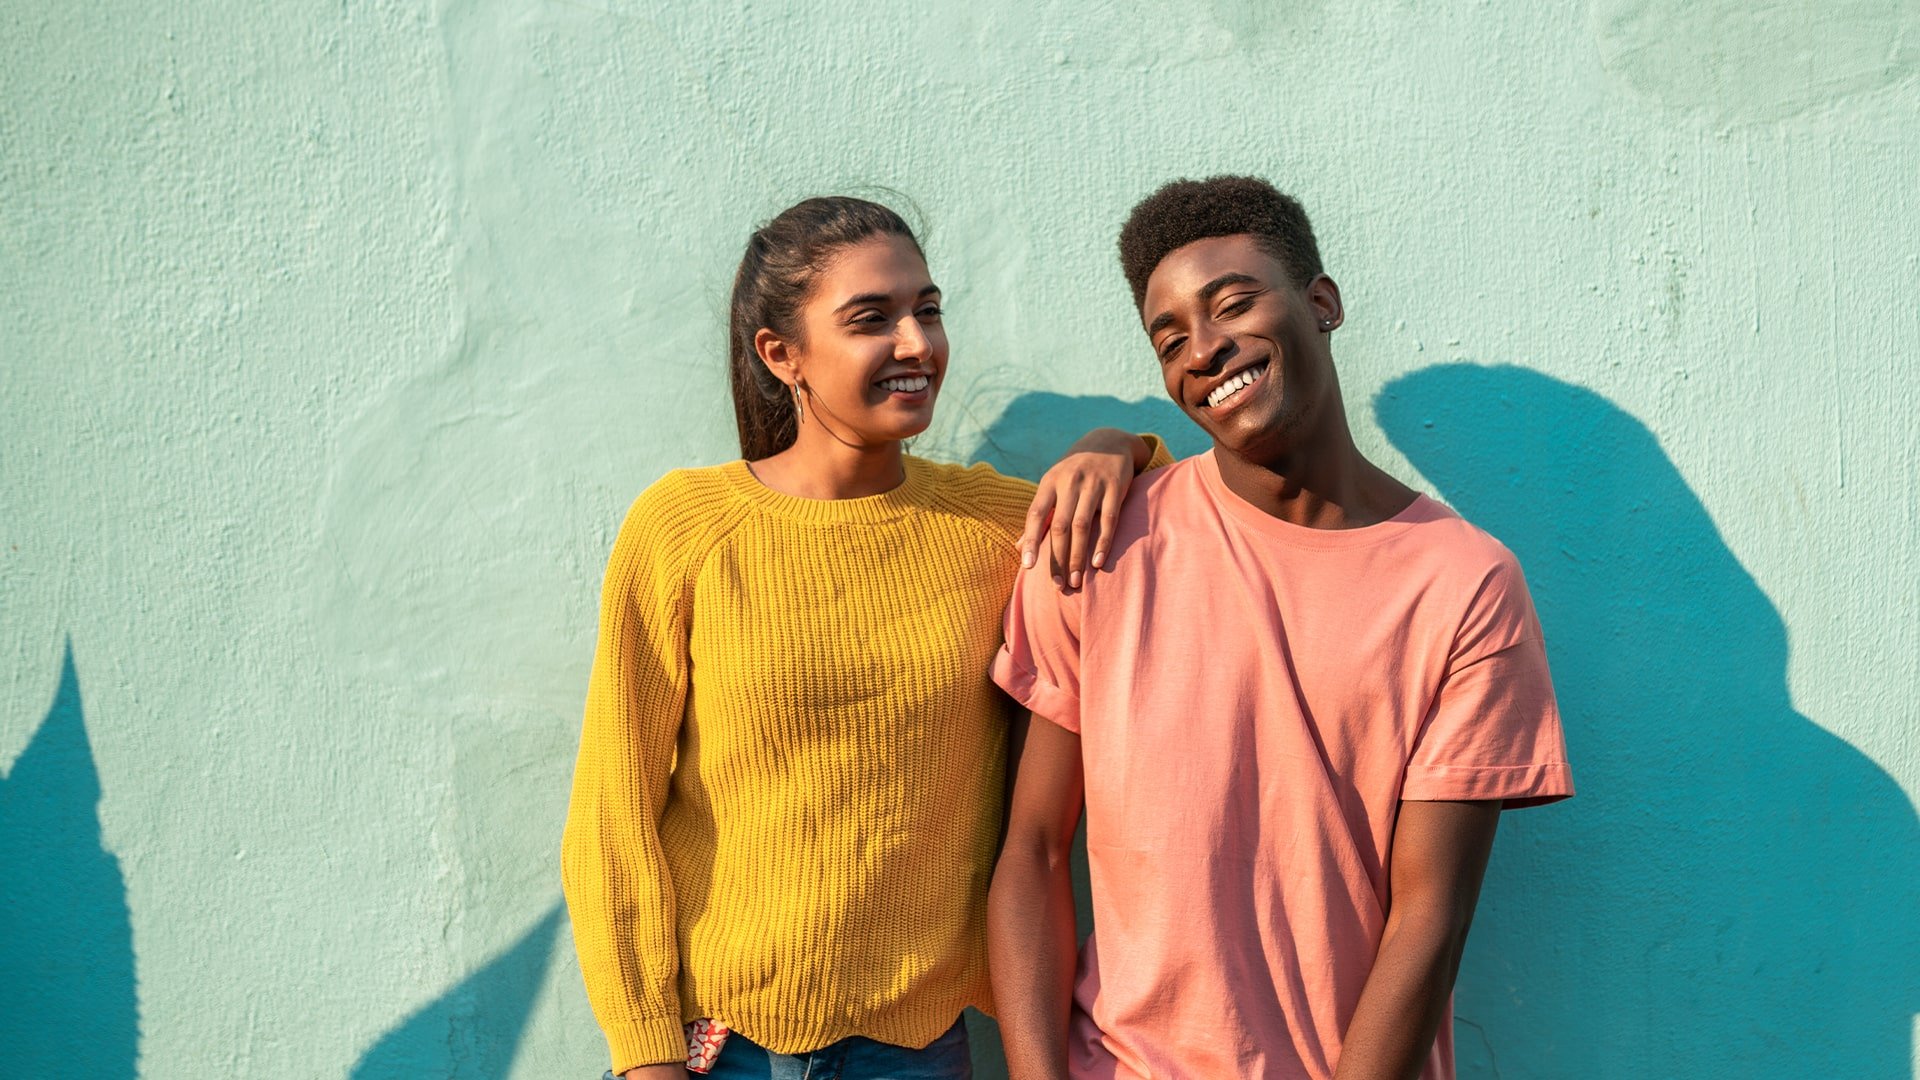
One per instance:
(855, 1058)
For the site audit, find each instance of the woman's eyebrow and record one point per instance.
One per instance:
(880, 298)
(864, 298)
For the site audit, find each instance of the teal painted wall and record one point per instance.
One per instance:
(334, 340)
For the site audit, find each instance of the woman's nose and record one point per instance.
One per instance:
(910, 340)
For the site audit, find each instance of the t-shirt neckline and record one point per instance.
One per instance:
(1420, 509)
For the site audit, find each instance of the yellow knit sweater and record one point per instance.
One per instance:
(788, 792)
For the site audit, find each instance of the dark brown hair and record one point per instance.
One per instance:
(1189, 210)
(777, 274)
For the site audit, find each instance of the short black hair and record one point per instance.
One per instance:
(1189, 210)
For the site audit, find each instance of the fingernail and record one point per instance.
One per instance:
(1099, 559)
(1026, 559)
(1057, 581)
(1076, 579)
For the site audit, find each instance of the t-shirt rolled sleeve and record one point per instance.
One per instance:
(1494, 729)
(1516, 786)
(1043, 698)
(1039, 665)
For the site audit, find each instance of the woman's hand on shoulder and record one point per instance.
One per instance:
(1077, 507)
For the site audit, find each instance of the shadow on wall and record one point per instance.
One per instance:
(1035, 429)
(472, 1032)
(1734, 892)
(68, 996)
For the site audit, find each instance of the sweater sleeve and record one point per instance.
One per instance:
(1160, 456)
(612, 866)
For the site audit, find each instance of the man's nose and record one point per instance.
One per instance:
(1207, 348)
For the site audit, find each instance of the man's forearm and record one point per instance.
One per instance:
(1392, 1030)
(1031, 945)
(1439, 857)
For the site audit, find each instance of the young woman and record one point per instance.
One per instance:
(789, 788)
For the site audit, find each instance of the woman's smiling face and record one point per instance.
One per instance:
(871, 351)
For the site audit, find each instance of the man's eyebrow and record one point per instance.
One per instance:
(1207, 292)
(881, 298)
(1212, 288)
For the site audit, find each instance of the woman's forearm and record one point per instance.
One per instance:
(1117, 441)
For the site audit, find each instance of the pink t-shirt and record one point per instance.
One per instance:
(1254, 699)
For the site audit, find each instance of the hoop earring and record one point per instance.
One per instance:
(799, 410)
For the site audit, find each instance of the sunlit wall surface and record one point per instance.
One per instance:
(336, 338)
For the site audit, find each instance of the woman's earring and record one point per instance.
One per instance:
(799, 410)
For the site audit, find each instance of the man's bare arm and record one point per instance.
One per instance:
(1031, 935)
(1439, 856)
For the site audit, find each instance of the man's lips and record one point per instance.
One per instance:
(1232, 387)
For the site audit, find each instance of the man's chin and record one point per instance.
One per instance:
(1226, 437)
(1268, 443)
(1249, 434)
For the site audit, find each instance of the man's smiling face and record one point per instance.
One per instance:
(1243, 350)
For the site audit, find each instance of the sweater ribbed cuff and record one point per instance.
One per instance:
(646, 1042)
(1159, 455)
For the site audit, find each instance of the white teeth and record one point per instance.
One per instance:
(1234, 385)
(910, 384)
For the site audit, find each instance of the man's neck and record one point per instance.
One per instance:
(1323, 487)
(818, 466)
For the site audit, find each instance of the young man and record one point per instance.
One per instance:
(1295, 704)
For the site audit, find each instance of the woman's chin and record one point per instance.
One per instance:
(902, 432)
(894, 424)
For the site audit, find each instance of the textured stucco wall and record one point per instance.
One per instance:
(334, 339)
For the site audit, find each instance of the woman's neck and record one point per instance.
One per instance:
(819, 466)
